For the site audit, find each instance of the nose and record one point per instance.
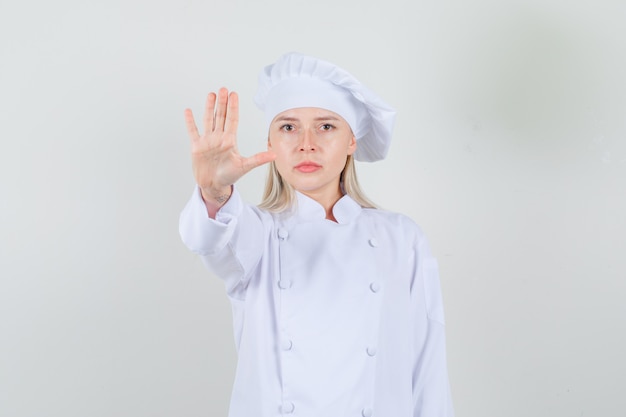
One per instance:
(306, 143)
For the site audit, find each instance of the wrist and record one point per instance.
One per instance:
(216, 196)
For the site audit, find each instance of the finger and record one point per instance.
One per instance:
(192, 129)
(220, 112)
(258, 160)
(209, 113)
(232, 114)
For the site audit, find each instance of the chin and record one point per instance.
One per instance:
(304, 188)
(305, 184)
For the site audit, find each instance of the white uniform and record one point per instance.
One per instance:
(331, 319)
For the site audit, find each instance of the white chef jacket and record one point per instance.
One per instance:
(330, 319)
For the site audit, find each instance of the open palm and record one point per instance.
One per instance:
(216, 161)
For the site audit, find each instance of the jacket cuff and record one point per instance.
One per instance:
(200, 233)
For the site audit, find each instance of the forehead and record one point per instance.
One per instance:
(308, 114)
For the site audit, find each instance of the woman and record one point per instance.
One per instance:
(336, 304)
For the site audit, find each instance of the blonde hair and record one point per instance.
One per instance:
(280, 196)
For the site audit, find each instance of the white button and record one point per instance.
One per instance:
(286, 344)
(373, 242)
(371, 351)
(283, 233)
(375, 286)
(287, 407)
(367, 412)
(284, 284)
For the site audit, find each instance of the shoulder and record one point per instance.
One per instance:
(392, 219)
(399, 225)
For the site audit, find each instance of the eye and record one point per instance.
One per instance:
(287, 127)
(327, 126)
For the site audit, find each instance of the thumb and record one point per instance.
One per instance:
(258, 160)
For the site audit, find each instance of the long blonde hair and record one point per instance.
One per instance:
(280, 196)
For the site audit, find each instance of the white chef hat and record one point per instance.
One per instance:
(297, 80)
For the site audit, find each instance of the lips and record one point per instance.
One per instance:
(307, 166)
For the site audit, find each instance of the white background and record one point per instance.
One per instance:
(509, 151)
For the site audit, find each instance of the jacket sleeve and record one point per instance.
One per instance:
(431, 388)
(230, 245)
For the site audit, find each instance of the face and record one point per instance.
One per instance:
(311, 147)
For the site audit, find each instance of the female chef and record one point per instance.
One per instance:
(337, 307)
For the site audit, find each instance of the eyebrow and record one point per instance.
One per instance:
(295, 119)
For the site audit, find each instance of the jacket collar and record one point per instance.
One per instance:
(344, 210)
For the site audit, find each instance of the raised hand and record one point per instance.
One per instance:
(215, 159)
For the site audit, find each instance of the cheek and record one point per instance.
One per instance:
(282, 156)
